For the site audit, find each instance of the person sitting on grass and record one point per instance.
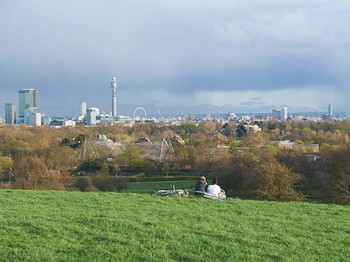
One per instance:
(200, 186)
(214, 188)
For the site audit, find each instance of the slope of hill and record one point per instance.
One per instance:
(76, 226)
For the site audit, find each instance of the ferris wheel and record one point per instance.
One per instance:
(138, 109)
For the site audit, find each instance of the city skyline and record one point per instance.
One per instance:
(177, 57)
(28, 100)
(29, 113)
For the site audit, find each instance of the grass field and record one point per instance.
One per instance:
(149, 187)
(77, 226)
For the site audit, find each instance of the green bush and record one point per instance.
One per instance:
(111, 183)
(83, 184)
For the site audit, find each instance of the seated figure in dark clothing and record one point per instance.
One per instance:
(200, 186)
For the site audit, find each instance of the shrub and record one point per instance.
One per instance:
(110, 183)
(83, 184)
(251, 178)
(277, 182)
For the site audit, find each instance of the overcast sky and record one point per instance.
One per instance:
(183, 56)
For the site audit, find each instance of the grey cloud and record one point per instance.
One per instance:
(272, 74)
(73, 48)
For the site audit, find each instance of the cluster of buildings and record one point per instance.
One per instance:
(28, 113)
(281, 114)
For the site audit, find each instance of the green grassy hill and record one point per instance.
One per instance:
(76, 226)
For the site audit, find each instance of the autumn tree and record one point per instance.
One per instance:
(5, 165)
(275, 134)
(276, 182)
(254, 141)
(251, 177)
(338, 167)
(186, 129)
(185, 155)
(131, 157)
(59, 157)
(30, 173)
(238, 177)
(205, 145)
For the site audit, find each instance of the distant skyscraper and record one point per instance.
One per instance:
(284, 113)
(114, 96)
(330, 110)
(28, 98)
(276, 114)
(28, 115)
(10, 113)
(91, 115)
(34, 119)
(82, 108)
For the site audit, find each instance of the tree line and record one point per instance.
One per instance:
(249, 164)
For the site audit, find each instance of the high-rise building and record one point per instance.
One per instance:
(27, 115)
(284, 113)
(330, 110)
(91, 116)
(276, 113)
(114, 96)
(82, 108)
(28, 98)
(34, 119)
(10, 113)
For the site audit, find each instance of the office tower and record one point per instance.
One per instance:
(114, 96)
(34, 119)
(330, 110)
(10, 113)
(28, 118)
(276, 113)
(82, 108)
(91, 116)
(284, 113)
(28, 98)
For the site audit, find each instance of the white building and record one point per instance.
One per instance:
(254, 128)
(69, 123)
(286, 144)
(284, 113)
(231, 117)
(82, 109)
(34, 119)
(28, 114)
(91, 115)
